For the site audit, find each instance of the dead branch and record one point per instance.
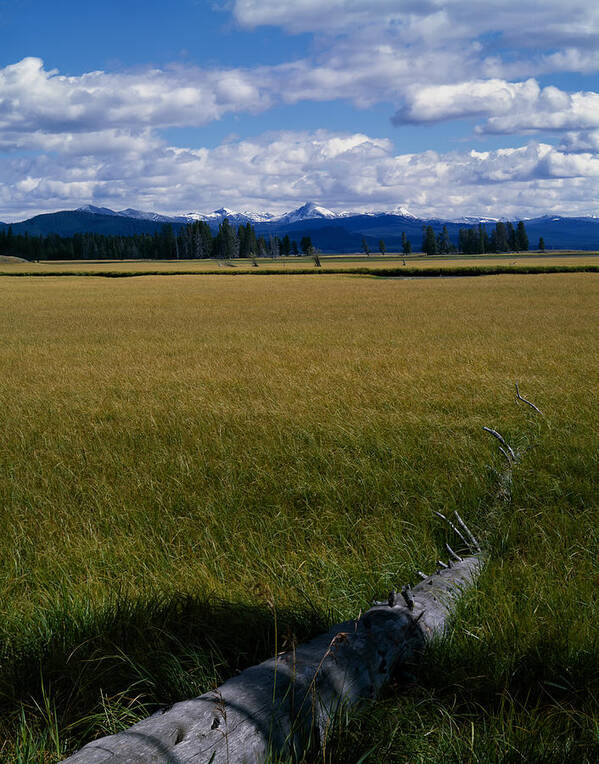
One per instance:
(466, 543)
(473, 542)
(532, 405)
(505, 445)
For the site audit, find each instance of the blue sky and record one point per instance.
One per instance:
(446, 108)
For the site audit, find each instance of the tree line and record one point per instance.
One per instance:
(476, 240)
(195, 240)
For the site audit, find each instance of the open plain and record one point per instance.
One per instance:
(291, 264)
(197, 471)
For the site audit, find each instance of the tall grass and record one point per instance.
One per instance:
(422, 269)
(182, 460)
(330, 263)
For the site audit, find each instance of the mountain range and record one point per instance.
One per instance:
(330, 231)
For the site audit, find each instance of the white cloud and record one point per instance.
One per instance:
(441, 59)
(34, 99)
(280, 170)
(522, 23)
(95, 136)
(510, 107)
(433, 103)
(551, 109)
(581, 141)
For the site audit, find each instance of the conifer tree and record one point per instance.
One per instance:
(511, 237)
(306, 244)
(521, 237)
(429, 243)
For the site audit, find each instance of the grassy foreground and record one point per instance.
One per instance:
(195, 472)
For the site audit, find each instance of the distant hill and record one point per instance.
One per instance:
(69, 222)
(329, 231)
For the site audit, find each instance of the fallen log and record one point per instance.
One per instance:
(288, 704)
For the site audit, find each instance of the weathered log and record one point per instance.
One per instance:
(289, 703)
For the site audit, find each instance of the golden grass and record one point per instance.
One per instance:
(235, 436)
(121, 394)
(292, 263)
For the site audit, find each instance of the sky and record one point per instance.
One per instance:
(448, 108)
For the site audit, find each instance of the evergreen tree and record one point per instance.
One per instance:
(9, 242)
(286, 246)
(306, 244)
(521, 237)
(483, 240)
(444, 242)
(365, 248)
(273, 246)
(169, 242)
(294, 249)
(226, 244)
(501, 235)
(541, 244)
(406, 247)
(429, 243)
(511, 237)
(382, 247)
(493, 241)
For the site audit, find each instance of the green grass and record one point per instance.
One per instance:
(331, 264)
(185, 462)
(425, 270)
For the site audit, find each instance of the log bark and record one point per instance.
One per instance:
(289, 703)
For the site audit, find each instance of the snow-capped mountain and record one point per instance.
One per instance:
(469, 220)
(154, 216)
(400, 212)
(330, 231)
(307, 211)
(217, 216)
(96, 210)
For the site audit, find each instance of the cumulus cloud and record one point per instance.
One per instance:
(95, 136)
(443, 59)
(433, 103)
(510, 107)
(280, 170)
(551, 109)
(522, 23)
(46, 101)
(581, 141)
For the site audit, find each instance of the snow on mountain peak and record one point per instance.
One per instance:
(307, 211)
(95, 210)
(403, 212)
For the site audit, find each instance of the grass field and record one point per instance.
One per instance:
(289, 264)
(196, 471)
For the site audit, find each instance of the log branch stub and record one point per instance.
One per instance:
(503, 442)
(528, 403)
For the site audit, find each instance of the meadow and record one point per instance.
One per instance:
(196, 471)
(375, 262)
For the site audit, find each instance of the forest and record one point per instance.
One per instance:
(192, 241)
(197, 241)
